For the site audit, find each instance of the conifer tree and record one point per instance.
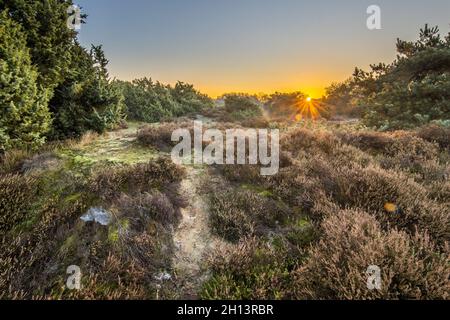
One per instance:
(24, 115)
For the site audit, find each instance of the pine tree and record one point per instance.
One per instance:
(412, 91)
(415, 90)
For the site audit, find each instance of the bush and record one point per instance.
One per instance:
(242, 173)
(324, 174)
(301, 140)
(12, 160)
(410, 92)
(244, 109)
(25, 256)
(160, 136)
(87, 100)
(148, 207)
(110, 182)
(242, 213)
(284, 105)
(352, 241)
(401, 151)
(375, 142)
(372, 188)
(250, 270)
(153, 102)
(256, 122)
(69, 86)
(436, 134)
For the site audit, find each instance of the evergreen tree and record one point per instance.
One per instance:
(47, 36)
(86, 100)
(24, 116)
(415, 89)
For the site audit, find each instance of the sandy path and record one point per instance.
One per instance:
(193, 238)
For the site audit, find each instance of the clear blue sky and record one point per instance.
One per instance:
(251, 45)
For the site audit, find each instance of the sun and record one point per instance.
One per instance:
(308, 108)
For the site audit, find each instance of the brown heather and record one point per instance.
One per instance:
(371, 198)
(351, 241)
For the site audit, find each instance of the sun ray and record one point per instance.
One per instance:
(307, 108)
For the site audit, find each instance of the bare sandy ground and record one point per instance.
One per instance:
(193, 239)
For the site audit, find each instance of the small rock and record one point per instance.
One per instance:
(98, 215)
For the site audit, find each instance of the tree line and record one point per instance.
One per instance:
(51, 87)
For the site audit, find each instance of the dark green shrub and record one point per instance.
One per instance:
(24, 116)
(241, 103)
(153, 102)
(86, 100)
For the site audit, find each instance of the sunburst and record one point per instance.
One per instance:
(308, 108)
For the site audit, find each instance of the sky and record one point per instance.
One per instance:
(254, 46)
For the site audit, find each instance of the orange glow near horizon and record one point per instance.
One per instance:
(312, 83)
(314, 93)
(215, 84)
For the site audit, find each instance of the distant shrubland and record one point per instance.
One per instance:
(150, 101)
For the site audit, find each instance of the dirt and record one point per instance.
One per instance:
(193, 239)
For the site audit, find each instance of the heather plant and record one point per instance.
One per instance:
(249, 270)
(436, 134)
(345, 197)
(55, 88)
(412, 267)
(119, 260)
(17, 194)
(160, 136)
(242, 105)
(109, 182)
